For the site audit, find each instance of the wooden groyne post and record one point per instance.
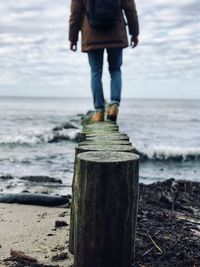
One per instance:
(105, 199)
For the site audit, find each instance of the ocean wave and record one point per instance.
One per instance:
(167, 153)
(36, 137)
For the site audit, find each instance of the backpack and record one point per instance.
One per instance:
(104, 14)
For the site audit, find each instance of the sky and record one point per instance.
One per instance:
(35, 59)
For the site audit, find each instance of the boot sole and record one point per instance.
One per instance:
(112, 118)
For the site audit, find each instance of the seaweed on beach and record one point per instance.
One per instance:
(168, 232)
(20, 259)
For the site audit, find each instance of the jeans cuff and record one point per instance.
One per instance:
(114, 103)
(99, 109)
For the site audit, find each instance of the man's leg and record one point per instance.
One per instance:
(115, 63)
(96, 63)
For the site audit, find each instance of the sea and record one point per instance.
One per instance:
(166, 132)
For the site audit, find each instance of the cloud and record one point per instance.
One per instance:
(34, 45)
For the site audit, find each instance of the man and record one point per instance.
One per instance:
(95, 40)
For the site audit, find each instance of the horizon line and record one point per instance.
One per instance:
(78, 97)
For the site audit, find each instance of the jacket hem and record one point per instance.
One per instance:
(85, 50)
(105, 42)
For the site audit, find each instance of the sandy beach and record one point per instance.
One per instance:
(168, 229)
(31, 229)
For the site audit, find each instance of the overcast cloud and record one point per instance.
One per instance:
(35, 59)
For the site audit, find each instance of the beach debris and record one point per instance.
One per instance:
(34, 264)
(6, 177)
(46, 192)
(58, 248)
(59, 224)
(63, 214)
(42, 265)
(21, 255)
(174, 192)
(25, 191)
(41, 179)
(154, 243)
(60, 257)
(21, 259)
(50, 234)
(166, 238)
(35, 199)
(43, 215)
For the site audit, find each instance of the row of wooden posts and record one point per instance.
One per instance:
(104, 199)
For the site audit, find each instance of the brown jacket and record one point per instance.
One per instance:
(94, 38)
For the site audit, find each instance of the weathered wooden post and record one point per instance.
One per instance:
(81, 149)
(115, 136)
(102, 147)
(105, 206)
(107, 128)
(97, 132)
(105, 142)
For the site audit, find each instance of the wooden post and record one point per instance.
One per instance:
(81, 149)
(99, 130)
(114, 128)
(102, 147)
(106, 142)
(107, 137)
(105, 202)
(116, 134)
(96, 129)
(100, 124)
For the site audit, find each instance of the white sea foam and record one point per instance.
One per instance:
(19, 139)
(35, 136)
(172, 152)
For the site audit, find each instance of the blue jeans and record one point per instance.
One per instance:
(96, 63)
